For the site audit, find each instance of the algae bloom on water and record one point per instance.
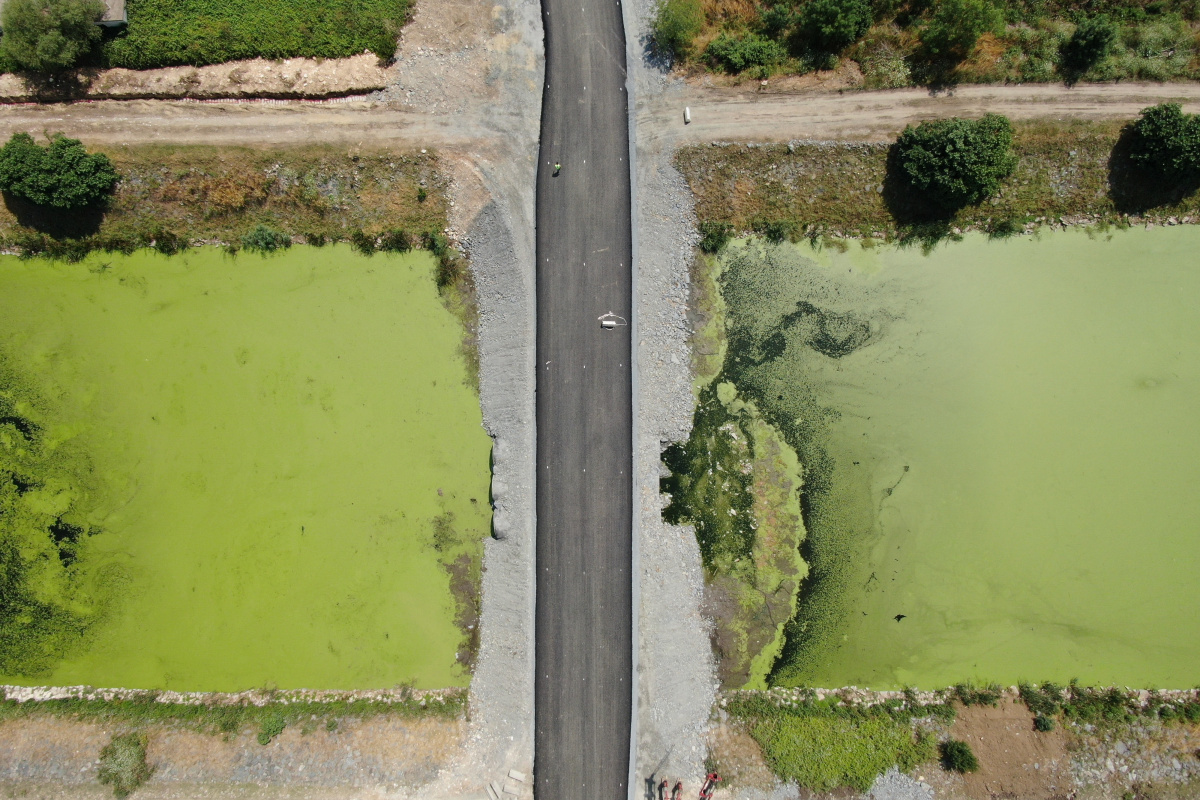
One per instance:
(272, 470)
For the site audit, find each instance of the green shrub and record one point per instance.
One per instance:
(777, 19)
(1091, 42)
(1043, 723)
(123, 763)
(170, 32)
(316, 239)
(736, 54)
(675, 26)
(395, 241)
(169, 243)
(61, 175)
(971, 695)
(826, 752)
(957, 756)
(955, 27)
(775, 231)
(952, 163)
(1166, 141)
(363, 242)
(266, 240)
(270, 726)
(714, 235)
(49, 35)
(834, 25)
(1044, 700)
(422, 194)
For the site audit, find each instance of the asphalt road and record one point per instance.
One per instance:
(583, 643)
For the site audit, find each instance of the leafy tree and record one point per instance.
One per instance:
(676, 25)
(1088, 45)
(1166, 141)
(738, 53)
(776, 20)
(955, 27)
(951, 163)
(957, 756)
(49, 35)
(62, 175)
(833, 25)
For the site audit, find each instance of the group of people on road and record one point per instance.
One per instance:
(706, 790)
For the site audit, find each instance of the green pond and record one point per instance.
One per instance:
(1011, 452)
(283, 458)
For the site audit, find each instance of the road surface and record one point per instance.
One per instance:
(583, 644)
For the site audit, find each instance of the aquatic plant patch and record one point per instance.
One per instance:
(272, 466)
(956, 411)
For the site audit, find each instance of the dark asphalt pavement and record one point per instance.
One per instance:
(583, 695)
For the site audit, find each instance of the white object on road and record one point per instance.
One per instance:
(610, 320)
(687, 115)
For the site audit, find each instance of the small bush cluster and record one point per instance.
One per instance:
(951, 163)
(958, 757)
(123, 763)
(971, 695)
(1166, 141)
(735, 54)
(264, 239)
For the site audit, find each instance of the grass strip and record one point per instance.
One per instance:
(1066, 172)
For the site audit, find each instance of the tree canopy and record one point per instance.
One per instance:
(951, 163)
(833, 25)
(676, 25)
(1166, 141)
(956, 25)
(1089, 44)
(49, 35)
(61, 175)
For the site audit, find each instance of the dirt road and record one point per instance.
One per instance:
(747, 115)
(717, 114)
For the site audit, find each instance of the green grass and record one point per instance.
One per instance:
(275, 464)
(823, 746)
(168, 32)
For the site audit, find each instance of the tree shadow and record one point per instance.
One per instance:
(62, 87)
(1135, 189)
(77, 223)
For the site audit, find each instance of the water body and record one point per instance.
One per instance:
(275, 438)
(1012, 426)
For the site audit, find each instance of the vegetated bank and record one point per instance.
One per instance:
(889, 44)
(1066, 173)
(829, 740)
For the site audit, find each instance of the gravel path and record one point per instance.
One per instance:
(676, 675)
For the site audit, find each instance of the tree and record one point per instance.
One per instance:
(951, 163)
(1165, 141)
(49, 35)
(955, 27)
(62, 175)
(833, 25)
(676, 25)
(1089, 44)
(735, 54)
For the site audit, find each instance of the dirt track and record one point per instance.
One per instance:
(717, 114)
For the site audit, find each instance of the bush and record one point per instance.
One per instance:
(1166, 141)
(676, 25)
(1043, 723)
(714, 236)
(954, 162)
(777, 19)
(123, 763)
(1089, 44)
(270, 726)
(736, 54)
(62, 175)
(955, 27)
(266, 240)
(362, 242)
(49, 35)
(833, 25)
(957, 756)
(395, 241)
(171, 32)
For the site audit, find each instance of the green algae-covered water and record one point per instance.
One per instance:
(1011, 453)
(276, 445)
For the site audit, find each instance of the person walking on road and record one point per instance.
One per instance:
(557, 168)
